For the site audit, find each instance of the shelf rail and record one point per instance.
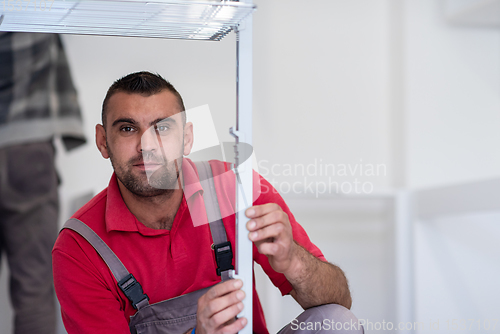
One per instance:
(243, 169)
(177, 19)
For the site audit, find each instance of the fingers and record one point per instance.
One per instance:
(220, 318)
(218, 308)
(220, 304)
(275, 216)
(272, 234)
(270, 227)
(224, 288)
(267, 232)
(260, 210)
(235, 327)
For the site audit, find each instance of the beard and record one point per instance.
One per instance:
(163, 181)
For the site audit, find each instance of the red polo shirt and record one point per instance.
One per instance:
(167, 263)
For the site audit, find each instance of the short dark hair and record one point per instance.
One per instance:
(143, 83)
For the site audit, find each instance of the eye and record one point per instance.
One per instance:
(162, 128)
(126, 129)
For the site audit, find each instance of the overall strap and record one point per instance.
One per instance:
(222, 247)
(126, 281)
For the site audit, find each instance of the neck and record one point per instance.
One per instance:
(157, 212)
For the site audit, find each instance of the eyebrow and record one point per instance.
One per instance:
(132, 121)
(163, 120)
(124, 120)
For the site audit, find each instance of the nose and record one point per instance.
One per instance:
(149, 141)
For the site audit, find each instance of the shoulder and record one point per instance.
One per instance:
(95, 204)
(93, 215)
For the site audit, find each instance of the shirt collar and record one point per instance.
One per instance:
(191, 179)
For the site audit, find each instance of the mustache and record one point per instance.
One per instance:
(149, 158)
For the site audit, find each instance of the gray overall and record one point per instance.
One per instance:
(175, 315)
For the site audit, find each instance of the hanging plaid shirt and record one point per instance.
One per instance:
(37, 97)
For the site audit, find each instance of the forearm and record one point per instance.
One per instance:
(316, 282)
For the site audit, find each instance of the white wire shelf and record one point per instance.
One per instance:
(179, 19)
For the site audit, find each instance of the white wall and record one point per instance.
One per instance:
(322, 87)
(452, 110)
(457, 271)
(322, 97)
(452, 90)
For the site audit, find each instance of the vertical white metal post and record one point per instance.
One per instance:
(244, 193)
(404, 257)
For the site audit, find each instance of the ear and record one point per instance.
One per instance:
(100, 140)
(188, 138)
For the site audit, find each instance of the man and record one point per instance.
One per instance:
(145, 217)
(37, 102)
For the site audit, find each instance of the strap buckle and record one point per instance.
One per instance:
(133, 290)
(223, 256)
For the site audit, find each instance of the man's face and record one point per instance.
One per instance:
(145, 141)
